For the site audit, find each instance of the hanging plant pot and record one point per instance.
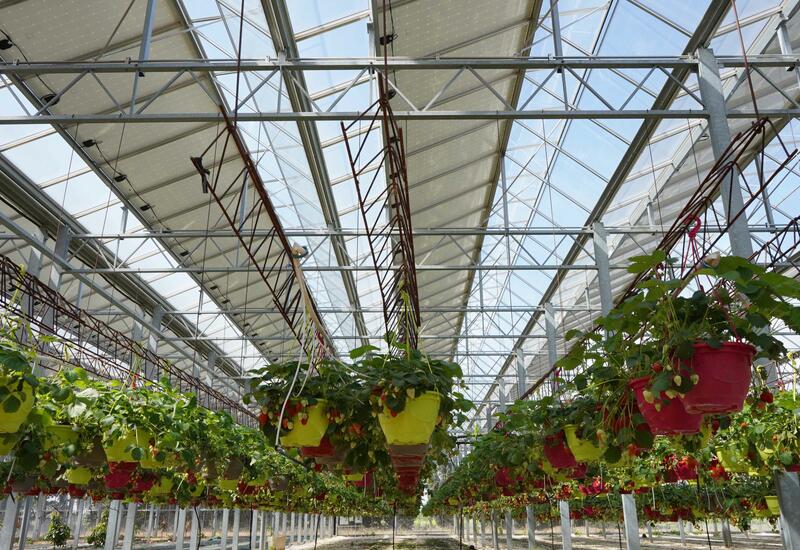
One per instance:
(78, 476)
(58, 435)
(227, 484)
(413, 425)
(23, 485)
(117, 451)
(278, 483)
(119, 474)
(671, 419)
(10, 421)
(733, 460)
(724, 377)
(582, 450)
(234, 469)
(143, 484)
(324, 449)
(95, 457)
(772, 505)
(7, 443)
(310, 431)
(557, 453)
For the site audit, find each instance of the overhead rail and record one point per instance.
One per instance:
(640, 75)
(275, 260)
(63, 333)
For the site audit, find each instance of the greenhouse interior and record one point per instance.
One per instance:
(413, 274)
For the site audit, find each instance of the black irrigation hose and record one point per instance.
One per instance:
(619, 536)
(199, 530)
(316, 531)
(705, 519)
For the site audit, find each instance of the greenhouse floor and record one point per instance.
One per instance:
(762, 541)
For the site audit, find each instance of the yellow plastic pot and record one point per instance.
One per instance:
(415, 424)
(310, 434)
(772, 505)
(353, 477)
(58, 435)
(162, 486)
(117, 450)
(78, 476)
(228, 484)
(10, 422)
(733, 460)
(582, 450)
(7, 443)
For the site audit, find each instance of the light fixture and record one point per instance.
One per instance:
(51, 99)
(6, 44)
(299, 251)
(119, 178)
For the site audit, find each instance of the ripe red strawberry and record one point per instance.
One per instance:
(767, 397)
(263, 418)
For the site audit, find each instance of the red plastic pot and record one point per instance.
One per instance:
(324, 449)
(557, 453)
(672, 419)
(724, 377)
(119, 474)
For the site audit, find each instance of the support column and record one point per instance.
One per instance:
(235, 537)
(38, 525)
(76, 532)
(631, 522)
(566, 527)
(788, 487)
(180, 532)
(475, 531)
(483, 532)
(223, 537)
(713, 97)
(26, 519)
(682, 532)
(531, 527)
(253, 529)
(727, 539)
(194, 530)
(509, 530)
(262, 544)
(130, 524)
(111, 525)
(9, 522)
(550, 332)
(495, 537)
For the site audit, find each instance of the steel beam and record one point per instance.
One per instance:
(395, 63)
(732, 201)
(654, 115)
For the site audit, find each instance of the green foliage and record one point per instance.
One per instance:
(58, 533)
(97, 536)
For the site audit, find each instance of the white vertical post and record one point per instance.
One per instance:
(483, 532)
(253, 529)
(682, 532)
(9, 522)
(38, 523)
(111, 525)
(631, 522)
(130, 523)
(78, 524)
(194, 530)
(566, 527)
(26, 518)
(531, 527)
(235, 537)
(495, 534)
(180, 532)
(475, 531)
(509, 530)
(223, 537)
(788, 486)
(262, 545)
